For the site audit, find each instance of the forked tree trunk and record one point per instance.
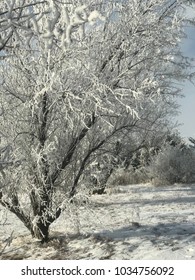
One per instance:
(39, 226)
(41, 223)
(40, 230)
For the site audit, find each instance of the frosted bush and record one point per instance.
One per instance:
(173, 165)
(129, 176)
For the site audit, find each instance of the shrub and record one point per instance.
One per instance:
(129, 176)
(173, 165)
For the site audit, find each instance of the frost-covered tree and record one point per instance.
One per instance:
(14, 17)
(74, 87)
(54, 21)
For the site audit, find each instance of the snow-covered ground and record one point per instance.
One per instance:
(130, 222)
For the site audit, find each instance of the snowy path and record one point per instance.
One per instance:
(132, 222)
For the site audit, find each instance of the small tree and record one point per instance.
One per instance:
(73, 89)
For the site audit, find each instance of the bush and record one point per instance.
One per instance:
(173, 165)
(129, 176)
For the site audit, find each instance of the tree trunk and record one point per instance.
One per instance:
(41, 224)
(40, 229)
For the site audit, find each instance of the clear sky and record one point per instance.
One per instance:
(187, 109)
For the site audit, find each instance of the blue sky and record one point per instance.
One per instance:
(187, 104)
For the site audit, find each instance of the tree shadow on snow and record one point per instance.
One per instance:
(178, 231)
(153, 201)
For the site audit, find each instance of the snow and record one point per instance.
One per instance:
(94, 15)
(138, 222)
